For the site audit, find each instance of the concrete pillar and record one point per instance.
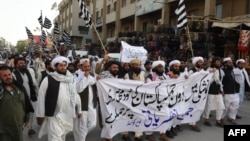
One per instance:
(210, 6)
(104, 26)
(117, 20)
(165, 14)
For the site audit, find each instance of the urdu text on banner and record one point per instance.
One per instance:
(129, 52)
(129, 105)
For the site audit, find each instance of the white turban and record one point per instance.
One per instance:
(240, 60)
(84, 60)
(196, 59)
(174, 62)
(156, 63)
(227, 59)
(59, 59)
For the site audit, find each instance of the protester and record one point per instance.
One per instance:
(85, 85)
(135, 73)
(113, 70)
(157, 75)
(241, 76)
(215, 94)
(197, 67)
(57, 101)
(12, 108)
(231, 90)
(26, 77)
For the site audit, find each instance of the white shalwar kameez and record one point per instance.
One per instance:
(61, 123)
(89, 118)
(215, 101)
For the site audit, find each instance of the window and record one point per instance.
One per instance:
(144, 26)
(101, 12)
(97, 14)
(114, 6)
(123, 3)
(218, 12)
(108, 9)
(248, 6)
(132, 1)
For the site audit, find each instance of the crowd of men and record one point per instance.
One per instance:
(61, 93)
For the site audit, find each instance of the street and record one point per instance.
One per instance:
(213, 133)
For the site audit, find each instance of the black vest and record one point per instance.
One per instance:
(229, 83)
(51, 96)
(33, 95)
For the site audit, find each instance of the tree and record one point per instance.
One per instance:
(21, 45)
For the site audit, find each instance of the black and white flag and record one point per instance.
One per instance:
(40, 19)
(30, 35)
(182, 15)
(47, 23)
(43, 39)
(84, 13)
(56, 32)
(66, 38)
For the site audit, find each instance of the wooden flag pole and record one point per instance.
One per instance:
(103, 47)
(189, 41)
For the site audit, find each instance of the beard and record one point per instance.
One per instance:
(136, 70)
(114, 73)
(8, 82)
(62, 72)
(22, 69)
(198, 66)
(176, 72)
(159, 73)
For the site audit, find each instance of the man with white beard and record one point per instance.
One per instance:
(242, 78)
(85, 85)
(57, 101)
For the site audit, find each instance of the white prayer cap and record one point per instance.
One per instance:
(62, 43)
(156, 63)
(84, 60)
(174, 62)
(196, 59)
(59, 59)
(227, 59)
(240, 60)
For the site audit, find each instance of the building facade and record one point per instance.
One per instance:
(68, 20)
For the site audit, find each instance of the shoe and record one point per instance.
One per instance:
(31, 132)
(163, 137)
(195, 128)
(174, 132)
(232, 121)
(238, 117)
(126, 138)
(109, 140)
(169, 134)
(207, 123)
(219, 124)
(150, 137)
(138, 139)
(179, 128)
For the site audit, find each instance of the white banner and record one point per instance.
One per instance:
(131, 52)
(129, 105)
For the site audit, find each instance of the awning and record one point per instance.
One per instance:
(233, 22)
